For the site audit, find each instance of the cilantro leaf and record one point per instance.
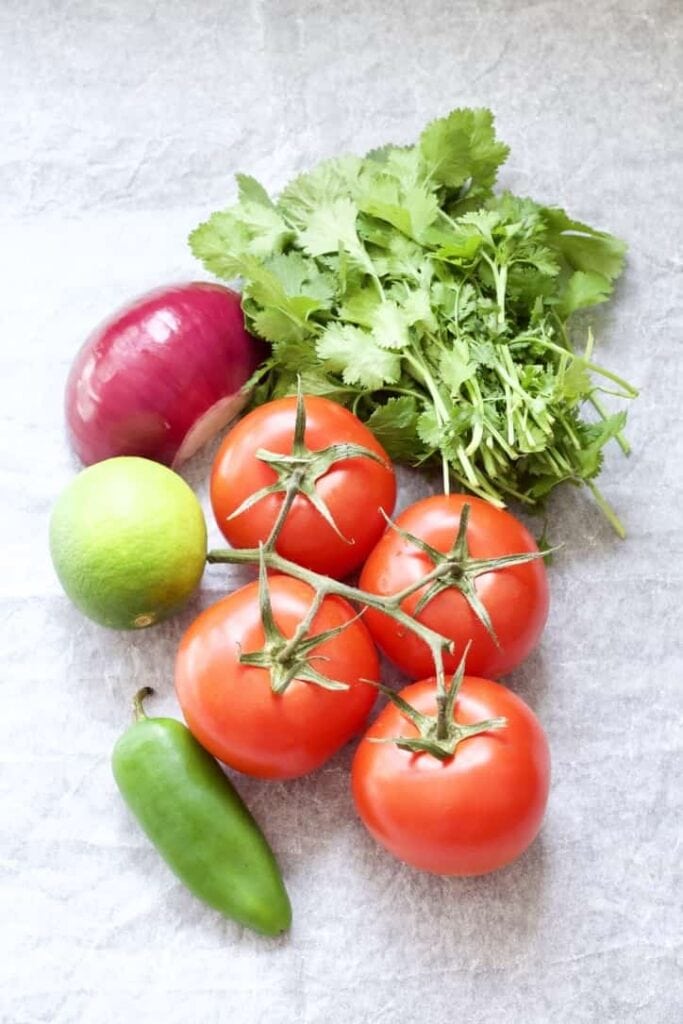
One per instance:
(459, 249)
(352, 352)
(330, 225)
(462, 146)
(455, 366)
(389, 325)
(410, 210)
(398, 284)
(330, 181)
(429, 429)
(583, 288)
(417, 308)
(400, 162)
(361, 307)
(298, 275)
(575, 381)
(284, 316)
(595, 436)
(394, 425)
(583, 247)
(251, 191)
(219, 243)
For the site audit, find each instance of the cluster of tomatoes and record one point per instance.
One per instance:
(277, 676)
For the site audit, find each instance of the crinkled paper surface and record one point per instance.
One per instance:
(122, 123)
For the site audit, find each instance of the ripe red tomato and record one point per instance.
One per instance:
(515, 597)
(467, 815)
(231, 708)
(354, 489)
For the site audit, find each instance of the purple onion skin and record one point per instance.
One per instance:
(161, 376)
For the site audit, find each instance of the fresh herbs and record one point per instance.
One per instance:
(401, 286)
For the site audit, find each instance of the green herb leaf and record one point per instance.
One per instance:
(219, 244)
(401, 286)
(583, 247)
(462, 146)
(584, 288)
(352, 352)
(389, 325)
(394, 424)
(455, 366)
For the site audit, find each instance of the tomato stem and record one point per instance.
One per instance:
(286, 505)
(299, 472)
(439, 735)
(456, 568)
(288, 659)
(323, 585)
(441, 719)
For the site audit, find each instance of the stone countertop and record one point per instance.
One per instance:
(121, 124)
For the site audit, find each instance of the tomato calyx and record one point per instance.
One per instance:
(456, 569)
(439, 734)
(299, 472)
(291, 658)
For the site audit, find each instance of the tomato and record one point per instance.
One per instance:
(471, 813)
(231, 708)
(353, 489)
(515, 597)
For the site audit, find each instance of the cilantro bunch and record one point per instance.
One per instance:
(400, 285)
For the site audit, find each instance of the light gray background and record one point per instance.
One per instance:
(122, 123)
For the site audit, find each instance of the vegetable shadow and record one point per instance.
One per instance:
(495, 916)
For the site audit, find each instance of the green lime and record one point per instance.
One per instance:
(128, 541)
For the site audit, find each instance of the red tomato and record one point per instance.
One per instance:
(470, 814)
(516, 597)
(231, 708)
(354, 489)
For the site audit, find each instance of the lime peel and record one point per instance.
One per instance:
(128, 542)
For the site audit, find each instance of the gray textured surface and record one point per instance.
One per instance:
(121, 125)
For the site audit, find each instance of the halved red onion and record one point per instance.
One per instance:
(162, 376)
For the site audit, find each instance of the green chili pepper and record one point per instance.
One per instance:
(198, 822)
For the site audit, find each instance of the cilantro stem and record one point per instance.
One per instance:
(440, 410)
(467, 466)
(628, 388)
(570, 433)
(602, 412)
(607, 510)
(407, 391)
(477, 433)
(500, 276)
(444, 216)
(445, 474)
(501, 285)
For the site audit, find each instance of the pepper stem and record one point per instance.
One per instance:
(138, 709)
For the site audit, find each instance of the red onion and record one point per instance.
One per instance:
(162, 376)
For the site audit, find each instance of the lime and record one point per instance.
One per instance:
(128, 541)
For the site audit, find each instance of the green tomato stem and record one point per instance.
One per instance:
(324, 585)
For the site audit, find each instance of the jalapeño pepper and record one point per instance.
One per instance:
(198, 822)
